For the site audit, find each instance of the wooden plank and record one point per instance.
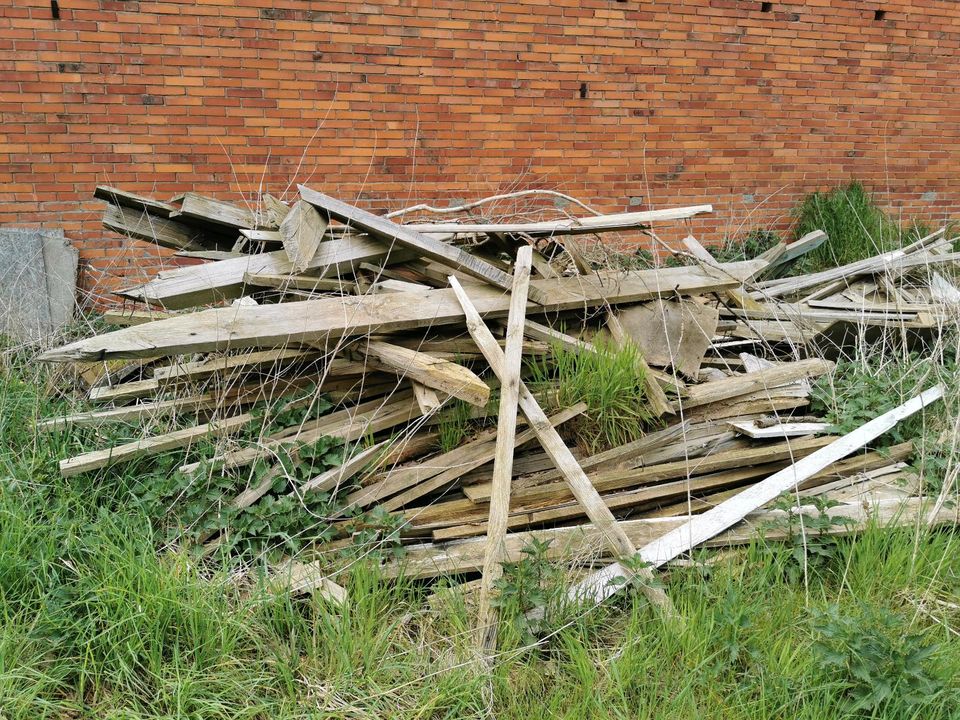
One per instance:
(321, 320)
(576, 479)
(224, 280)
(152, 445)
(703, 527)
(216, 255)
(760, 381)
(122, 198)
(302, 230)
(784, 254)
(153, 228)
(300, 282)
(274, 209)
(348, 425)
(425, 245)
(566, 543)
(126, 317)
(241, 362)
(196, 207)
(427, 398)
(503, 457)
(780, 430)
(443, 375)
(573, 226)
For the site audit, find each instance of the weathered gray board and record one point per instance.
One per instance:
(38, 282)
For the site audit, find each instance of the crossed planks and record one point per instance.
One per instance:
(320, 320)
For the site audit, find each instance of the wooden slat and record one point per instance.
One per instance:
(152, 445)
(573, 226)
(196, 207)
(503, 457)
(224, 280)
(760, 381)
(115, 196)
(153, 228)
(423, 244)
(269, 326)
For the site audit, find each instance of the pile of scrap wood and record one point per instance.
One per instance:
(394, 323)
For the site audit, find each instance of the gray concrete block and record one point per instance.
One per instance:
(38, 282)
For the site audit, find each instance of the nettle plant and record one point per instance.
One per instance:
(810, 546)
(885, 670)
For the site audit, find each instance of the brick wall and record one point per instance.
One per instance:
(627, 105)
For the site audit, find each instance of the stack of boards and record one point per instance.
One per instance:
(395, 323)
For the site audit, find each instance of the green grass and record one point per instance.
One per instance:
(611, 383)
(97, 620)
(856, 228)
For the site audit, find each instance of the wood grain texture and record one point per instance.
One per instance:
(301, 231)
(503, 457)
(270, 326)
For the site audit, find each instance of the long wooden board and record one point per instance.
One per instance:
(425, 245)
(269, 326)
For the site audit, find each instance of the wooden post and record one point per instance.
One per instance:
(503, 460)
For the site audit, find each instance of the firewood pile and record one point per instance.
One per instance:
(389, 328)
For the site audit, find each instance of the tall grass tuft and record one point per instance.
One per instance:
(855, 226)
(610, 381)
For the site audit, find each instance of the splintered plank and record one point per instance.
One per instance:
(115, 196)
(443, 375)
(302, 230)
(224, 280)
(269, 326)
(425, 245)
(503, 459)
(152, 228)
(242, 362)
(601, 584)
(152, 445)
(218, 212)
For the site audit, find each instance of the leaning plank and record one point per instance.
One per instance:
(426, 245)
(602, 584)
(209, 210)
(153, 228)
(115, 196)
(443, 375)
(224, 280)
(574, 226)
(268, 326)
(545, 333)
(655, 396)
(579, 484)
(503, 459)
(302, 230)
(152, 445)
